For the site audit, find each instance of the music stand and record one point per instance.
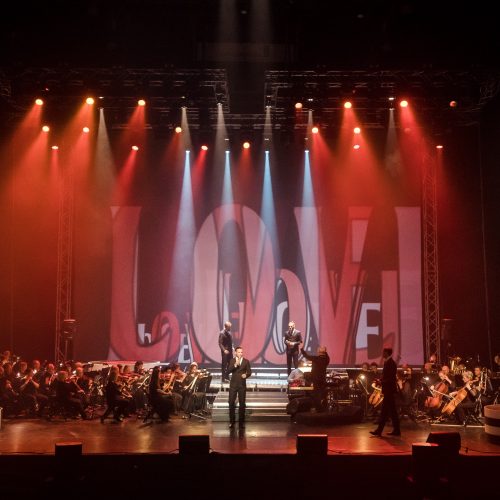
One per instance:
(199, 398)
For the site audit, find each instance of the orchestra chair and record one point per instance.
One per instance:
(57, 408)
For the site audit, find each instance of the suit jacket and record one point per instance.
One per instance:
(295, 337)
(225, 341)
(318, 369)
(237, 372)
(389, 372)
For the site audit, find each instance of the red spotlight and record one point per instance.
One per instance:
(85, 130)
(246, 145)
(453, 104)
(39, 102)
(141, 102)
(439, 146)
(204, 147)
(45, 128)
(135, 148)
(356, 146)
(298, 105)
(315, 130)
(357, 130)
(55, 148)
(178, 130)
(347, 105)
(404, 104)
(89, 100)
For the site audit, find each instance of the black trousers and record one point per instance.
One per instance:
(226, 358)
(389, 410)
(292, 356)
(241, 392)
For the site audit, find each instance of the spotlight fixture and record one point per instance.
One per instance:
(298, 105)
(135, 148)
(85, 130)
(246, 145)
(357, 130)
(89, 100)
(439, 146)
(356, 146)
(178, 130)
(141, 102)
(45, 128)
(453, 104)
(39, 102)
(55, 148)
(404, 104)
(348, 105)
(204, 147)
(392, 98)
(315, 130)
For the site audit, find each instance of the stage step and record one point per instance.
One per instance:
(261, 406)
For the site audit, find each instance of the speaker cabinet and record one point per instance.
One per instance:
(312, 444)
(194, 444)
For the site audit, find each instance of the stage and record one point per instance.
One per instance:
(134, 457)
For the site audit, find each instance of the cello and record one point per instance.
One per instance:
(438, 391)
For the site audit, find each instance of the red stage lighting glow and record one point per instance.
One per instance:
(347, 105)
(315, 130)
(39, 102)
(178, 130)
(246, 144)
(404, 104)
(298, 105)
(204, 147)
(135, 148)
(356, 146)
(453, 104)
(45, 128)
(85, 130)
(55, 148)
(89, 100)
(357, 130)
(141, 102)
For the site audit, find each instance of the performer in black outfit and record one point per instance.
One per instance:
(161, 402)
(240, 370)
(226, 349)
(292, 339)
(116, 402)
(389, 389)
(318, 376)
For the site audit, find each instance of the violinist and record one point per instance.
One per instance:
(468, 402)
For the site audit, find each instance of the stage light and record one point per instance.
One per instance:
(39, 102)
(392, 98)
(315, 130)
(347, 105)
(55, 148)
(141, 102)
(439, 146)
(298, 105)
(85, 130)
(45, 128)
(356, 146)
(204, 147)
(246, 145)
(135, 148)
(362, 377)
(178, 130)
(89, 100)
(453, 104)
(357, 130)
(404, 104)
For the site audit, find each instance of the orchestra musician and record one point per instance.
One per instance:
(469, 401)
(66, 393)
(483, 383)
(31, 399)
(320, 363)
(168, 378)
(158, 398)
(116, 401)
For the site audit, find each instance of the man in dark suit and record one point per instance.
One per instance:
(240, 370)
(389, 389)
(226, 350)
(318, 376)
(292, 339)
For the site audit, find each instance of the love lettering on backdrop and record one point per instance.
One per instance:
(369, 296)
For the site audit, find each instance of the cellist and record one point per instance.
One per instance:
(469, 401)
(439, 390)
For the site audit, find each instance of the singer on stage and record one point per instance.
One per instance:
(240, 370)
(292, 339)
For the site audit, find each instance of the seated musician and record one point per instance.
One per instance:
(469, 402)
(404, 394)
(31, 399)
(189, 386)
(440, 391)
(83, 383)
(66, 394)
(160, 401)
(296, 378)
(138, 368)
(482, 381)
(117, 402)
(9, 399)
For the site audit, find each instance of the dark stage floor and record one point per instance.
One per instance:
(25, 436)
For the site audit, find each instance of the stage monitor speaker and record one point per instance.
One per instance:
(312, 444)
(374, 346)
(196, 444)
(68, 449)
(449, 442)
